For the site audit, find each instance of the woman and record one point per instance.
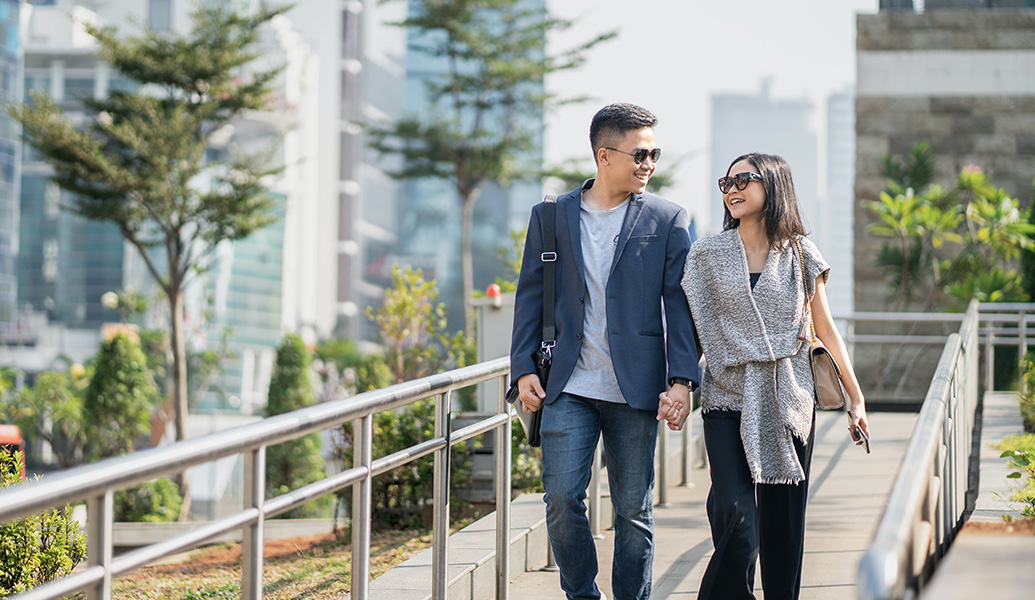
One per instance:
(747, 297)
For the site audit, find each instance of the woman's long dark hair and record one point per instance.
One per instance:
(782, 219)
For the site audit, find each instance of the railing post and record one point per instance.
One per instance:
(98, 542)
(594, 492)
(687, 451)
(663, 465)
(1022, 345)
(850, 339)
(440, 498)
(503, 484)
(252, 541)
(1022, 335)
(990, 360)
(362, 456)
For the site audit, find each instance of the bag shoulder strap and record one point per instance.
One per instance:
(549, 258)
(805, 283)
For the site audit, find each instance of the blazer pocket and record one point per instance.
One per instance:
(643, 239)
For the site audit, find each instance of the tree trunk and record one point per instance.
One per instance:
(179, 380)
(467, 261)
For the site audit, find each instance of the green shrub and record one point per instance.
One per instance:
(121, 397)
(1028, 392)
(1020, 450)
(37, 548)
(526, 465)
(400, 495)
(157, 501)
(299, 462)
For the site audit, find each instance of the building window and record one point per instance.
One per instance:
(50, 259)
(78, 87)
(159, 16)
(51, 200)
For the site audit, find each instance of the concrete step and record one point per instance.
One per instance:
(472, 557)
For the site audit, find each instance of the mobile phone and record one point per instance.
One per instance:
(858, 433)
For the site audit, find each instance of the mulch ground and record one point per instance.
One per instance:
(1015, 527)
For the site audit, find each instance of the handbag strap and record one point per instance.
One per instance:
(805, 283)
(549, 258)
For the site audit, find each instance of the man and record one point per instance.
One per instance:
(620, 254)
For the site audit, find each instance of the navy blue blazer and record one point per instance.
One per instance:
(645, 279)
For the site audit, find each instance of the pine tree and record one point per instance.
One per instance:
(139, 161)
(477, 128)
(298, 462)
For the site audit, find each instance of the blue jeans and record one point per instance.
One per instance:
(570, 429)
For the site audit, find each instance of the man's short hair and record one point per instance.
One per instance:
(612, 122)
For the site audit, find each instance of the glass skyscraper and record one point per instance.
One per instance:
(10, 89)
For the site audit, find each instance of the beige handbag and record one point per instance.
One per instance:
(830, 391)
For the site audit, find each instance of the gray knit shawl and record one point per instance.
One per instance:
(757, 362)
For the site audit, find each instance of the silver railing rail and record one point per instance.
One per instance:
(929, 498)
(95, 484)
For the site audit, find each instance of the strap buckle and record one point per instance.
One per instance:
(549, 256)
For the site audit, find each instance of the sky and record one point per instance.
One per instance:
(671, 55)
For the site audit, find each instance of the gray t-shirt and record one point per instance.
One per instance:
(594, 374)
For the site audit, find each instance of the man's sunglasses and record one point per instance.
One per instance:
(741, 180)
(640, 154)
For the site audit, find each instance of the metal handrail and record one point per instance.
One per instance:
(96, 483)
(930, 495)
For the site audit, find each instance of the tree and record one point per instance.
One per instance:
(139, 163)
(413, 346)
(948, 245)
(52, 410)
(296, 463)
(473, 133)
(121, 397)
(945, 245)
(412, 328)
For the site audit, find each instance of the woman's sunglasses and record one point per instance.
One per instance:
(741, 180)
(640, 154)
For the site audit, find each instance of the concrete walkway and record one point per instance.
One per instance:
(847, 497)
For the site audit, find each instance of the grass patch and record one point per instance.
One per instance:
(315, 567)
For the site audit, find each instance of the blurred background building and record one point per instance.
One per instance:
(818, 146)
(10, 158)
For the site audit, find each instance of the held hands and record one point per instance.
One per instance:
(674, 406)
(530, 392)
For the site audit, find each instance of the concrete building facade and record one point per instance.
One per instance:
(963, 80)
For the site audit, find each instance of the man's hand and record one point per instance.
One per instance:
(530, 392)
(674, 406)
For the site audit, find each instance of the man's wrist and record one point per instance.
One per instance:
(681, 381)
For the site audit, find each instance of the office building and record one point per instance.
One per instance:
(742, 123)
(834, 232)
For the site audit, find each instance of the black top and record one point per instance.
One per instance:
(754, 279)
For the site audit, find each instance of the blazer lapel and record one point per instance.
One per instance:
(632, 215)
(572, 220)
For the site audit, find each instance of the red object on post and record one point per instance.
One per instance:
(493, 292)
(11, 441)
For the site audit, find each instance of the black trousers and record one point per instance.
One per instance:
(751, 521)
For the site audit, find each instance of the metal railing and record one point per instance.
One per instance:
(95, 484)
(930, 495)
